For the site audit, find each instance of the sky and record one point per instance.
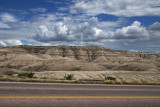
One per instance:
(132, 25)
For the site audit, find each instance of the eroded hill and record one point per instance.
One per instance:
(72, 58)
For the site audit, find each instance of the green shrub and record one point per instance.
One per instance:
(9, 73)
(27, 74)
(69, 77)
(110, 78)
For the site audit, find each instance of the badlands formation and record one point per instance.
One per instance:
(74, 58)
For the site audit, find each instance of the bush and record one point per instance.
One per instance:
(110, 78)
(9, 73)
(29, 75)
(69, 77)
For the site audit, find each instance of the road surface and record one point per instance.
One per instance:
(20, 94)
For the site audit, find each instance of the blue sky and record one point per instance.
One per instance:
(116, 24)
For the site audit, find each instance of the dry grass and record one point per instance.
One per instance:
(100, 75)
(122, 77)
(17, 79)
(132, 78)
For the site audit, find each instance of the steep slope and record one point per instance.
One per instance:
(53, 58)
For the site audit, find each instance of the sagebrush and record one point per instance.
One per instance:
(26, 74)
(110, 78)
(69, 77)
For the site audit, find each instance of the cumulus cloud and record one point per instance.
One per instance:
(117, 7)
(90, 30)
(132, 32)
(69, 31)
(154, 30)
(10, 42)
(58, 32)
(47, 28)
(155, 26)
(51, 29)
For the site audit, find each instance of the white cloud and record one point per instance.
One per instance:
(5, 17)
(2, 43)
(134, 31)
(154, 30)
(155, 26)
(90, 30)
(50, 29)
(61, 28)
(14, 42)
(46, 28)
(10, 42)
(97, 31)
(132, 50)
(117, 7)
(43, 29)
(41, 10)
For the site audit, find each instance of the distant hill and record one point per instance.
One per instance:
(75, 58)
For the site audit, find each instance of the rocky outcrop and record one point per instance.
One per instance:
(77, 58)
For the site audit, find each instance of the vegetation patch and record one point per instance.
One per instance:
(26, 74)
(129, 82)
(69, 77)
(10, 73)
(17, 79)
(110, 78)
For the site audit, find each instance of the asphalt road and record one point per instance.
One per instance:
(77, 95)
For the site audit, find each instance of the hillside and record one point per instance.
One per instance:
(73, 58)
